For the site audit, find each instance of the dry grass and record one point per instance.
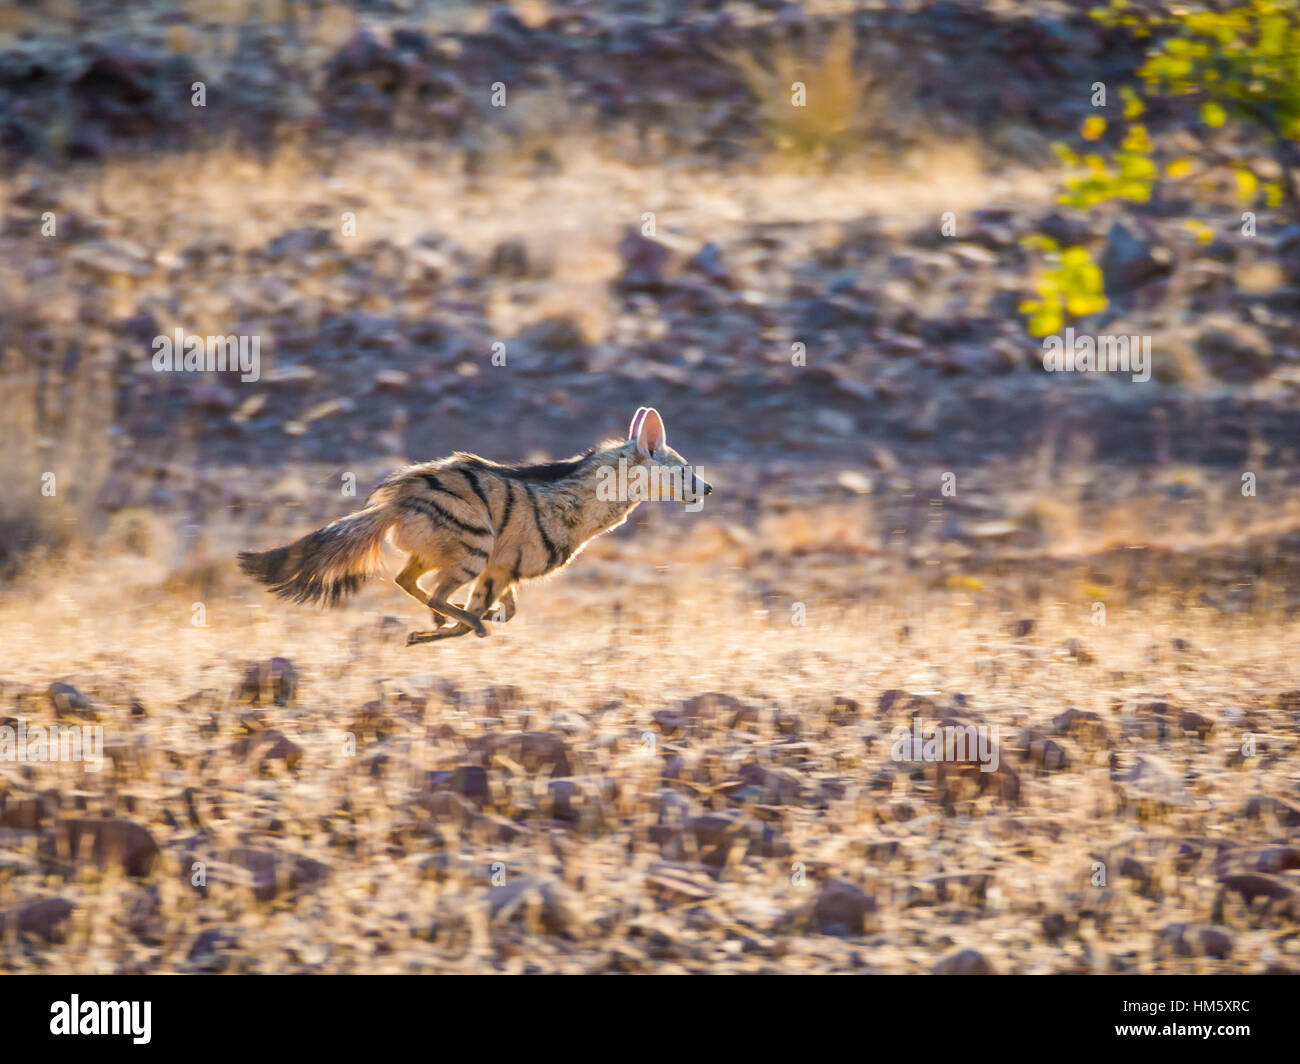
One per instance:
(821, 104)
(569, 222)
(59, 419)
(410, 883)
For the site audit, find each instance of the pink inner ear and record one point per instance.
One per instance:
(654, 445)
(637, 418)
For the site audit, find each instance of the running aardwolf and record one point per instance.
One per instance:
(472, 521)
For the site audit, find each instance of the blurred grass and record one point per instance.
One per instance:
(408, 890)
(58, 417)
(843, 99)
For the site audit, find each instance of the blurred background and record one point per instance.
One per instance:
(827, 241)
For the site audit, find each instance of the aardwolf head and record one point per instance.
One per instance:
(670, 478)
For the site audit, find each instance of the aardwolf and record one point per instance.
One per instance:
(470, 520)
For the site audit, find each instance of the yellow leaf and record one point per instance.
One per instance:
(1133, 105)
(1038, 242)
(1045, 323)
(1063, 152)
(1093, 127)
(1179, 168)
(1247, 184)
(1213, 115)
(1136, 139)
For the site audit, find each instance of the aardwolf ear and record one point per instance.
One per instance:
(637, 418)
(651, 437)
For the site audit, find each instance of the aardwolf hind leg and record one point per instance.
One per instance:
(438, 633)
(409, 578)
(409, 581)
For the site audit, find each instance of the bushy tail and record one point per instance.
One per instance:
(327, 565)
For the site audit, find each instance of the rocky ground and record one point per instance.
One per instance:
(663, 777)
(655, 766)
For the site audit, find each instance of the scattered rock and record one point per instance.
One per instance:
(677, 883)
(708, 261)
(582, 799)
(1195, 723)
(534, 752)
(1285, 812)
(1085, 724)
(1048, 755)
(33, 813)
(1207, 940)
(844, 710)
(841, 909)
(39, 916)
(267, 682)
(1129, 260)
(644, 263)
(468, 781)
(1252, 885)
(104, 841)
(1054, 926)
(211, 949)
(530, 897)
(266, 871)
(67, 701)
(271, 744)
(1260, 859)
(1232, 350)
(509, 259)
(964, 962)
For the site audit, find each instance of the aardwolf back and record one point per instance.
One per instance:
(467, 520)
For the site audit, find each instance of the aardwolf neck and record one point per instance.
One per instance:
(573, 499)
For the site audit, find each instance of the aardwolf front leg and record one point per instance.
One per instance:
(446, 583)
(485, 597)
(508, 606)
